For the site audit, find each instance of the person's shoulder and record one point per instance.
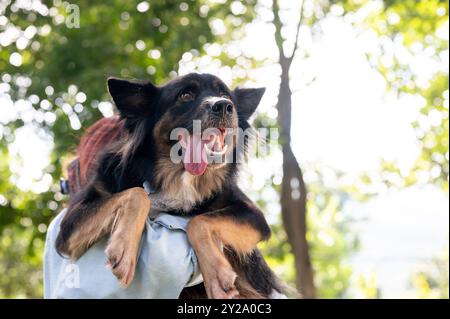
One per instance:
(54, 224)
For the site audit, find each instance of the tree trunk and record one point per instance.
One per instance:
(294, 192)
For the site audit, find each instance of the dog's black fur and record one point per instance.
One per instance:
(149, 114)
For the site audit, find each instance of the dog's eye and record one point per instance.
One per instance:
(186, 96)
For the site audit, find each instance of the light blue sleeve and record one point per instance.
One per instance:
(165, 266)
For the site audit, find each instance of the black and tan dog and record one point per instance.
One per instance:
(226, 225)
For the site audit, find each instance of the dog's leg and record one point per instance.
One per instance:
(208, 235)
(122, 250)
(122, 214)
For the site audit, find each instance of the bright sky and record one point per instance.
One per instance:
(345, 119)
(400, 232)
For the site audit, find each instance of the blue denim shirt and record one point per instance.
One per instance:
(166, 265)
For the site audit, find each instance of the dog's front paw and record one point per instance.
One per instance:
(121, 260)
(220, 284)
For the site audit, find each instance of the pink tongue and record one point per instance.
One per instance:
(195, 159)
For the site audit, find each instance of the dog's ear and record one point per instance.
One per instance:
(248, 100)
(132, 98)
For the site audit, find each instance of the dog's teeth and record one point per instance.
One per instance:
(216, 153)
(212, 141)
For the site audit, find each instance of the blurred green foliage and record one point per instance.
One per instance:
(431, 281)
(404, 29)
(63, 71)
(417, 26)
(61, 79)
(331, 242)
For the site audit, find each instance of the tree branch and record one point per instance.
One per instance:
(300, 19)
(278, 25)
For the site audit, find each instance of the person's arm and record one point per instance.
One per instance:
(166, 265)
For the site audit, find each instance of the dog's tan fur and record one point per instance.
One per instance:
(123, 215)
(209, 236)
(180, 190)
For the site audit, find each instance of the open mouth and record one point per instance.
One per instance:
(198, 148)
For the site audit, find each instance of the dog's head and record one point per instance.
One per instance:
(189, 117)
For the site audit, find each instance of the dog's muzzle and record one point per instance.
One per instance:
(219, 106)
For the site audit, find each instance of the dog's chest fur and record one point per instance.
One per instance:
(182, 191)
(184, 197)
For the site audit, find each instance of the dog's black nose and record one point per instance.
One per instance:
(222, 107)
